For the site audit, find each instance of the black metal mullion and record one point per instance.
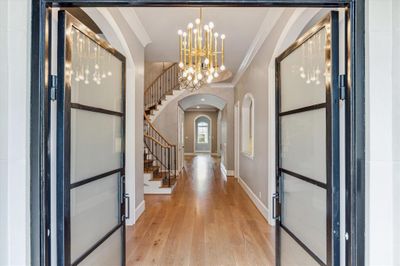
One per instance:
(95, 178)
(303, 109)
(304, 178)
(304, 246)
(97, 244)
(95, 109)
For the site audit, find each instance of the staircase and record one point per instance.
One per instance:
(160, 156)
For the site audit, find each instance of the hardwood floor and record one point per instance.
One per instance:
(207, 221)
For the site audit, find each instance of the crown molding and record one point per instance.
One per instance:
(266, 26)
(136, 25)
(228, 85)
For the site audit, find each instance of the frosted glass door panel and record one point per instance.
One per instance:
(96, 144)
(304, 213)
(107, 254)
(96, 74)
(303, 144)
(94, 213)
(292, 254)
(302, 75)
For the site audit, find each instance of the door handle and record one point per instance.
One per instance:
(275, 197)
(128, 200)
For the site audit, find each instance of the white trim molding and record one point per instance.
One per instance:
(136, 25)
(257, 202)
(139, 210)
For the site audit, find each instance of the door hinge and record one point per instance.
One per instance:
(342, 87)
(53, 87)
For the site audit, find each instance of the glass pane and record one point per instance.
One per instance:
(304, 213)
(94, 212)
(96, 144)
(303, 144)
(107, 254)
(96, 74)
(292, 254)
(302, 74)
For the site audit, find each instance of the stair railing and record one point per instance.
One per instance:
(161, 151)
(164, 84)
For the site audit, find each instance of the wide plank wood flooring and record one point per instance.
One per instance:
(207, 221)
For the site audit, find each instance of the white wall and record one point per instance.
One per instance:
(382, 132)
(14, 132)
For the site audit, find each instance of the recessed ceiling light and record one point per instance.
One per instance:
(198, 107)
(202, 99)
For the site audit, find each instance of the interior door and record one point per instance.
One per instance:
(307, 199)
(90, 147)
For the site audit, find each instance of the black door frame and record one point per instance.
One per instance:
(332, 139)
(40, 112)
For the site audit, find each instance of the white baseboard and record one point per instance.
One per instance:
(259, 204)
(230, 172)
(189, 153)
(139, 210)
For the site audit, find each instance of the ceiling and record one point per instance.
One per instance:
(240, 25)
(203, 100)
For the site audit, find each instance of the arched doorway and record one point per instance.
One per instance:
(202, 134)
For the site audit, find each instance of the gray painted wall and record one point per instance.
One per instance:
(189, 129)
(254, 172)
(137, 51)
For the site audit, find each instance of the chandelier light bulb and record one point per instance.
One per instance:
(222, 36)
(191, 70)
(184, 34)
(87, 71)
(222, 67)
(197, 21)
(103, 75)
(86, 81)
(180, 32)
(211, 25)
(190, 26)
(195, 81)
(212, 70)
(301, 69)
(318, 82)
(216, 75)
(216, 35)
(77, 79)
(96, 66)
(206, 61)
(303, 76)
(195, 31)
(181, 64)
(199, 76)
(206, 28)
(109, 73)
(190, 77)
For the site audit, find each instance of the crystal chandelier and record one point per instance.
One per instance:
(200, 60)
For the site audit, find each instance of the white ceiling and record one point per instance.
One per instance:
(202, 100)
(240, 25)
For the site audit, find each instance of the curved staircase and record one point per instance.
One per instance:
(160, 156)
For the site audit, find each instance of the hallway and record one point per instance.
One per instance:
(206, 221)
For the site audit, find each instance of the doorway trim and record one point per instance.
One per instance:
(237, 138)
(355, 113)
(195, 133)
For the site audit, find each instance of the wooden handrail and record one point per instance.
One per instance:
(156, 141)
(155, 80)
(158, 132)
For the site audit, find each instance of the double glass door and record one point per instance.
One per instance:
(90, 147)
(307, 185)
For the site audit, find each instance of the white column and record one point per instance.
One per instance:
(14, 132)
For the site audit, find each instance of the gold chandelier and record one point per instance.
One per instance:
(200, 60)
